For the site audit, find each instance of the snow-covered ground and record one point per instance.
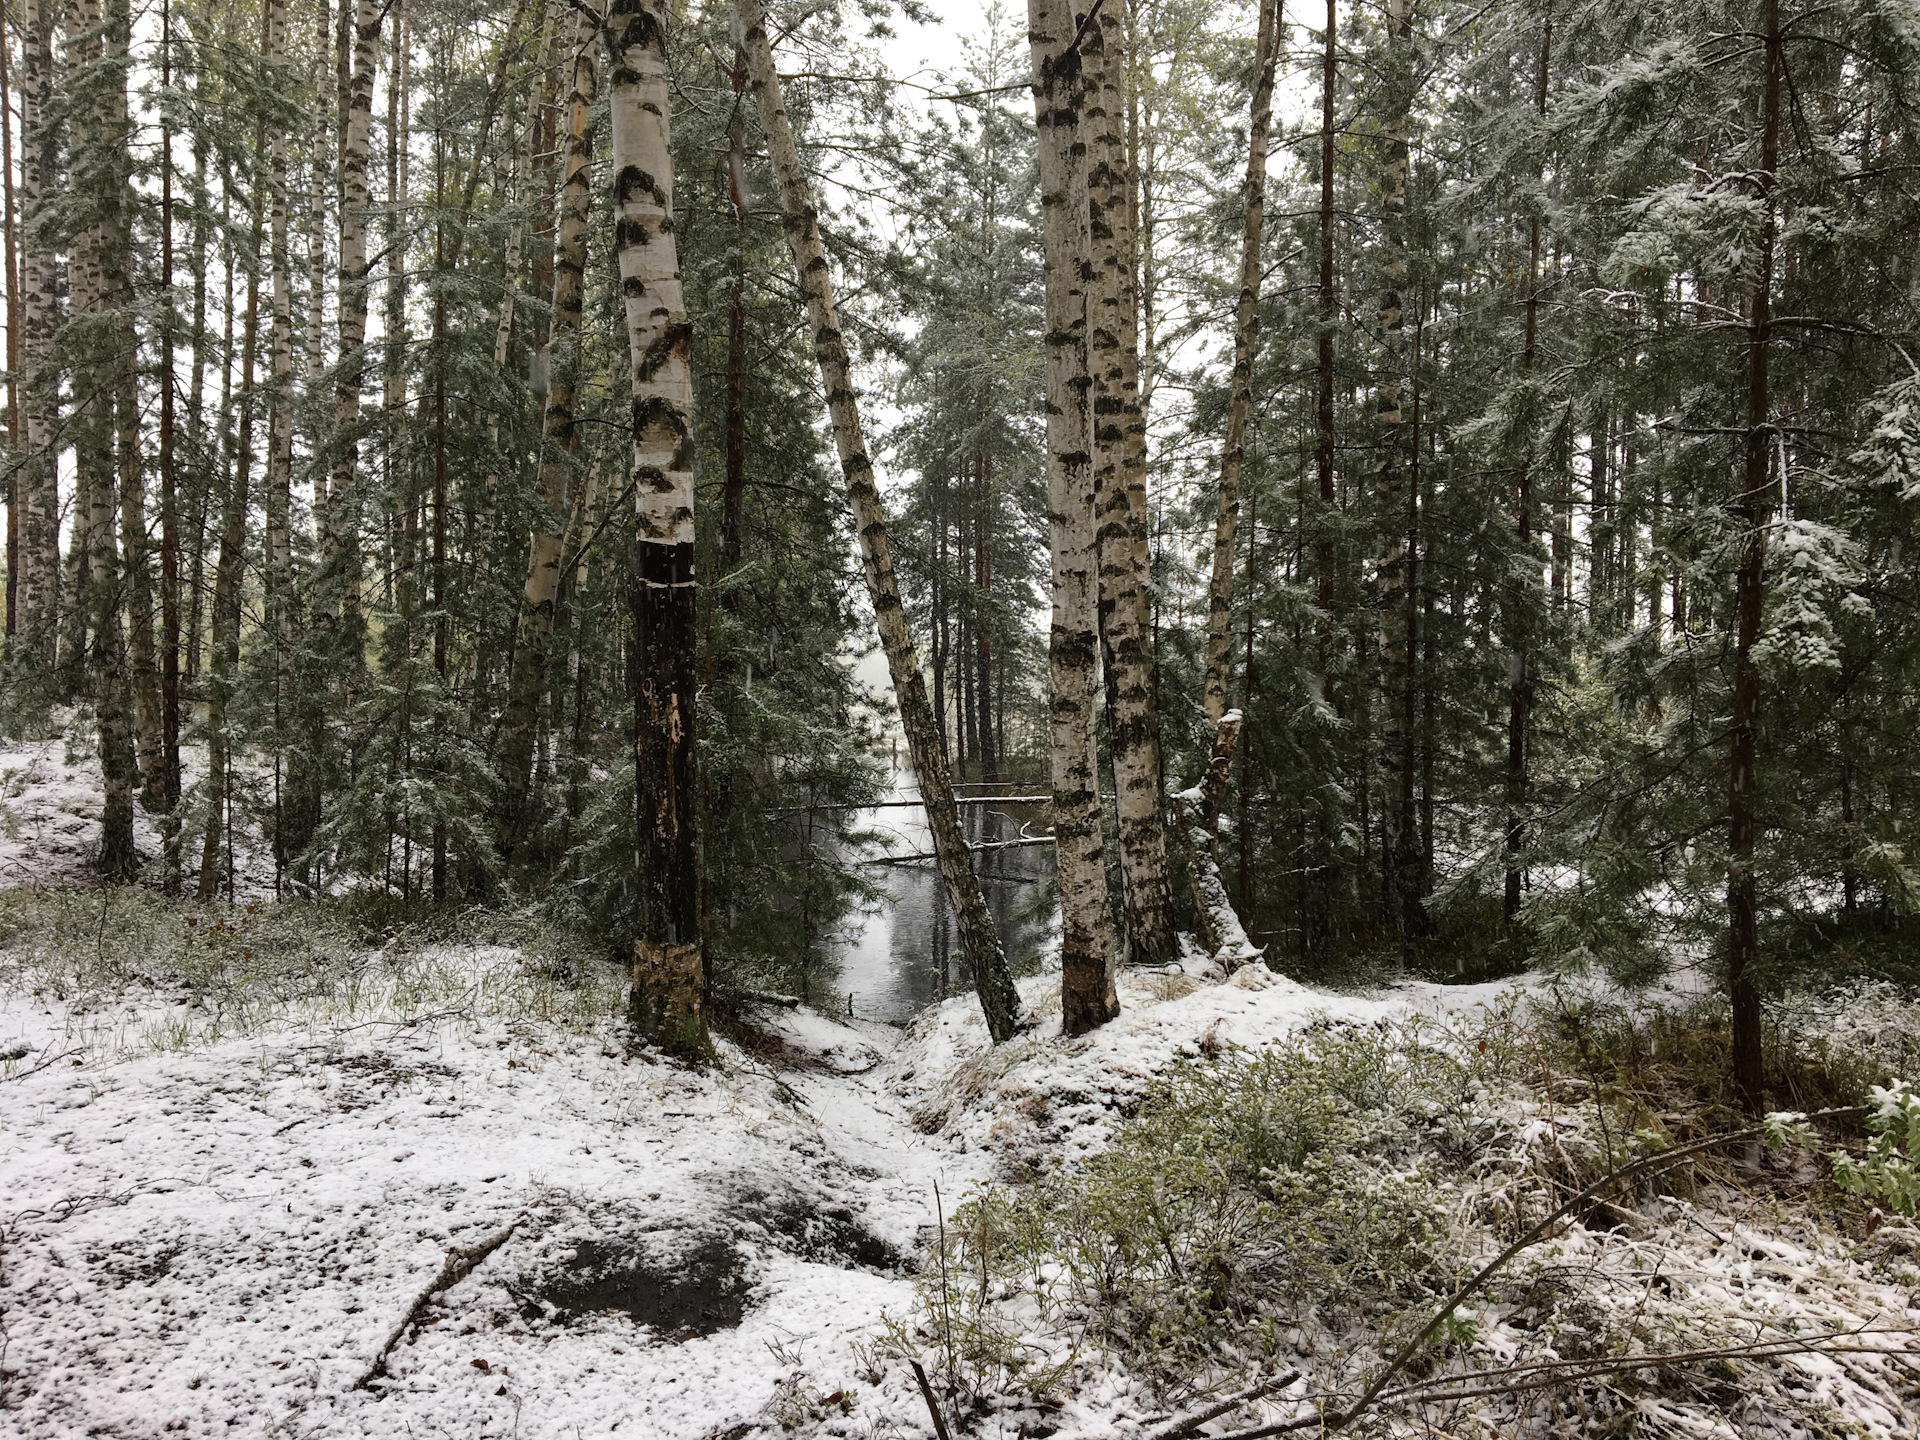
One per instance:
(219, 1240)
(240, 1223)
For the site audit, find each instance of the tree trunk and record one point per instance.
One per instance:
(559, 450)
(169, 494)
(338, 601)
(1119, 460)
(1323, 393)
(135, 580)
(11, 238)
(1088, 996)
(669, 978)
(1519, 661)
(227, 580)
(979, 944)
(1246, 333)
(1397, 499)
(37, 593)
(983, 617)
(1753, 508)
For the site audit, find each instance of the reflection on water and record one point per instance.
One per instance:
(895, 959)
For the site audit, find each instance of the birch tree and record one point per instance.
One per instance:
(668, 973)
(1088, 995)
(559, 442)
(979, 944)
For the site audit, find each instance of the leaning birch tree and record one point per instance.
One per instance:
(979, 944)
(560, 444)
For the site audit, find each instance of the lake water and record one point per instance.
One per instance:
(895, 959)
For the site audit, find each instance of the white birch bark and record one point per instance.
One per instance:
(979, 944)
(668, 1001)
(1119, 460)
(559, 441)
(1088, 993)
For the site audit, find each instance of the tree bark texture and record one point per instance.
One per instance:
(1395, 498)
(1246, 335)
(37, 590)
(1088, 996)
(559, 448)
(979, 943)
(1753, 509)
(1119, 464)
(668, 979)
(1522, 593)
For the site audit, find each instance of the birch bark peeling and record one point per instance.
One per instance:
(1246, 335)
(1088, 996)
(559, 447)
(1119, 462)
(668, 973)
(979, 945)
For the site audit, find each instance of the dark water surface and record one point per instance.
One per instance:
(897, 959)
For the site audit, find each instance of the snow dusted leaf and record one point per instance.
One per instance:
(1891, 455)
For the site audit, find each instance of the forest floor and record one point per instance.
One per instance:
(440, 1195)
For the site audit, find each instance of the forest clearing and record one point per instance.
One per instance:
(1131, 720)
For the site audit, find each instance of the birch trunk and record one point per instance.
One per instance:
(980, 945)
(669, 978)
(559, 449)
(1753, 508)
(1396, 499)
(37, 589)
(1088, 997)
(1246, 332)
(1119, 460)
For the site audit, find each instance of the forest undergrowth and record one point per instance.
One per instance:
(1270, 1225)
(136, 972)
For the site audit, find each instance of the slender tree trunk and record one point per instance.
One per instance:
(169, 493)
(1753, 508)
(135, 580)
(983, 617)
(1119, 461)
(11, 238)
(1519, 660)
(559, 449)
(1246, 333)
(733, 489)
(979, 944)
(669, 978)
(37, 593)
(1397, 501)
(1088, 995)
(338, 599)
(1323, 404)
(227, 580)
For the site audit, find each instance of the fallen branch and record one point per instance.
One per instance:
(1185, 1425)
(459, 1264)
(1645, 1167)
(933, 1406)
(45, 1061)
